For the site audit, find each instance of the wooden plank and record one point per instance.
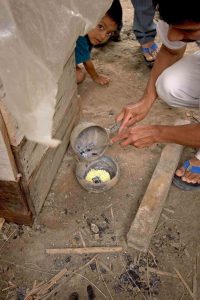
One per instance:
(63, 108)
(85, 250)
(8, 170)
(15, 135)
(13, 205)
(42, 179)
(32, 154)
(146, 219)
(67, 80)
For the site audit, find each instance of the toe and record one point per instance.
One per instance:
(180, 172)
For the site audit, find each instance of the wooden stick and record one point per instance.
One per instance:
(159, 272)
(195, 284)
(82, 239)
(52, 281)
(2, 220)
(85, 250)
(8, 288)
(184, 283)
(8, 239)
(146, 219)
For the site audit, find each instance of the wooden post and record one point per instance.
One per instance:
(145, 222)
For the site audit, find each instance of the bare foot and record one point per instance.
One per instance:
(186, 175)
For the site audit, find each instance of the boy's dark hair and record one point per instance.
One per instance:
(175, 12)
(115, 12)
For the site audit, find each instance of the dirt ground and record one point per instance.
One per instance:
(69, 210)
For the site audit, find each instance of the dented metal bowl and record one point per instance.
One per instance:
(102, 163)
(89, 140)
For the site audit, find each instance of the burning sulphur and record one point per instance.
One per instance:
(97, 176)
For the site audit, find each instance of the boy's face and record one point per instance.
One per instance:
(103, 30)
(185, 32)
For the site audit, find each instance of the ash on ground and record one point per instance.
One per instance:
(136, 277)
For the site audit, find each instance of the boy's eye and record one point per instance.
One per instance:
(100, 27)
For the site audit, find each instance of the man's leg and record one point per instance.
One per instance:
(144, 27)
(179, 86)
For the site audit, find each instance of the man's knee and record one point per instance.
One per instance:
(168, 89)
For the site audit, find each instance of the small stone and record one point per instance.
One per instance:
(111, 113)
(94, 228)
(177, 246)
(103, 270)
(68, 259)
(96, 236)
(93, 266)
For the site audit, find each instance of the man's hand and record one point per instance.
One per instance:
(101, 79)
(132, 113)
(139, 136)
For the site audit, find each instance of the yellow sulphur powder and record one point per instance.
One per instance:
(97, 176)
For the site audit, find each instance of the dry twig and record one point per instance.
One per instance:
(2, 220)
(184, 283)
(195, 284)
(82, 240)
(105, 285)
(91, 284)
(8, 239)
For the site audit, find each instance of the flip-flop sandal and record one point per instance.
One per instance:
(149, 50)
(178, 182)
(153, 48)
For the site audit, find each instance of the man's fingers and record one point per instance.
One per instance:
(119, 117)
(132, 121)
(125, 121)
(119, 137)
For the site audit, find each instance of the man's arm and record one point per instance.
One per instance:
(146, 135)
(132, 112)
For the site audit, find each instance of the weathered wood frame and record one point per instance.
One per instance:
(33, 165)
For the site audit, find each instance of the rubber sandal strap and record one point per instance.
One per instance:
(192, 169)
(153, 48)
(177, 181)
(145, 50)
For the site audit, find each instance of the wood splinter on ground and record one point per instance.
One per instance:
(2, 220)
(146, 219)
(85, 250)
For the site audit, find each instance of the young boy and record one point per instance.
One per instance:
(99, 34)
